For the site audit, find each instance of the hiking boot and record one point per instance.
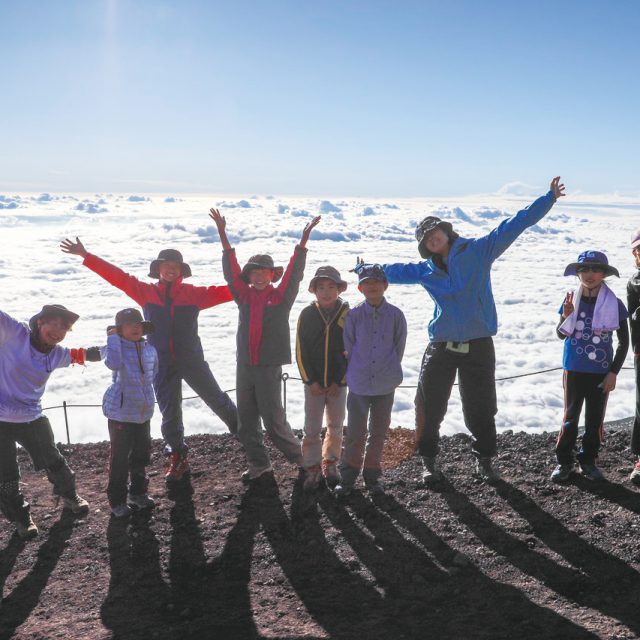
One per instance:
(330, 473)
(177, 466)
(121, 511)
(312, 478)
(140, 501)
(77, 505)
(343, 490)
(26, 530)
(431, 470)
(486, 471)
(375, 488)
(562, 473)
(635, 474)
(591, 472)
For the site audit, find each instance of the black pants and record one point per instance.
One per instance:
(582, 388)
(130, 454)
(477, 380)
(635, 434)
(36, 438)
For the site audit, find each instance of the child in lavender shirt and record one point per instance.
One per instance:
(374, 335)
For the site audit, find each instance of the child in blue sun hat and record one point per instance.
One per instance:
(588, 318)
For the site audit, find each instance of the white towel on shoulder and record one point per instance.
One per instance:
(606, 315)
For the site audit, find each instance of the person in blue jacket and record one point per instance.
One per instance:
(456, 273)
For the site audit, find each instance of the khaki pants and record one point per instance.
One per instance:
(314, 450)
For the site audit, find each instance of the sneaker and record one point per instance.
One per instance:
(312, 478)
(177, 466)
(121, 511)
(431, 470)
(635, 474)
(343, 490)
(486, 471)
(591, 471)
(562, 473)
(140, 501)
(330, 473)
(77, 505)
(375, 488)
(26, 530)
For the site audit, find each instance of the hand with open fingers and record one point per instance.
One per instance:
(609, 382)
(75, 248)
(307, 230)
(567, 305)
(557, 188)
(220, 221)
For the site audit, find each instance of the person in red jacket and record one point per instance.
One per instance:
(173, 307)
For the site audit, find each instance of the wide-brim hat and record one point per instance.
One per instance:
(329, 272)
(53, 311)
(261, 261)
(131, 316)
(429, 224)
(371, 272)
(591, 258)
(169, 255)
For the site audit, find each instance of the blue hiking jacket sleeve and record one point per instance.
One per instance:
(464, 305)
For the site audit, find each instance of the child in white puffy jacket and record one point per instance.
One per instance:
(128, 404)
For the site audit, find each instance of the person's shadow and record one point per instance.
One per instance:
(19, 604)
(593, 569)
(137, 595)
(432, 585)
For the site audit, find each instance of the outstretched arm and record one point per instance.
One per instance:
(75, 248)
(307, 231)
(221, 224)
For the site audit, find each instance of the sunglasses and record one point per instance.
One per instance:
(592, 269)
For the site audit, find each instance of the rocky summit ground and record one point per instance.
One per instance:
(523, 559)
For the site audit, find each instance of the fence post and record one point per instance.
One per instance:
(285, 377)
(66, 420)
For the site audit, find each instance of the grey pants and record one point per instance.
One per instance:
(37, 439)
(258, 396)
(367, 425)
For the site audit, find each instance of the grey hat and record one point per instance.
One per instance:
(429, 224)
(329, 272)
(371, 272)
(131, 316)
(53, 311)
(169, 255)
(261, 261)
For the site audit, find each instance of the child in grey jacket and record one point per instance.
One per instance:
(128, 404)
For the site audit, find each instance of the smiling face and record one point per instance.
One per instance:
(260, 278)
(437, 242)
(591, 277)
(169, 271)
(52, 330)
(132, 331)
(327, 292)
(373, 290)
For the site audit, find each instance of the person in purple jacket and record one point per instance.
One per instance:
(28, 355)
(375, 334)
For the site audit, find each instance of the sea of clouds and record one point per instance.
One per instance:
(130, 229)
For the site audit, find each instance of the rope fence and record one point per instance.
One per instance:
(285, 378)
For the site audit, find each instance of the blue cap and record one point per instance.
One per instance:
(591, 257)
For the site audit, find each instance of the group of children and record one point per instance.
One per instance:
(349, 361)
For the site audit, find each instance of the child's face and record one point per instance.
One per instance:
(170, 271)
(373, 290)
(260, 278)
(53, 330)
(437, 242)
(326, 292)
(636, 255)
(591, 277)
(132, 331)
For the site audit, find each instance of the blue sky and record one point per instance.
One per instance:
(363, 98)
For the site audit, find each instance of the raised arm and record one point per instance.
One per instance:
(306, 232)
(138, 291)
(221, 224)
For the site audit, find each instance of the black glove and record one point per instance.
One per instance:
(92, 354)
